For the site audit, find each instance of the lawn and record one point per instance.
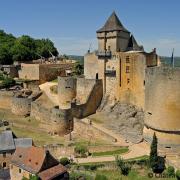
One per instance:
(110, 153)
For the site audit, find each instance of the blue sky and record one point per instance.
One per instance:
(72, 24)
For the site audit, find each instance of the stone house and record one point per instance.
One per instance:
(8, 144)
(36, 161)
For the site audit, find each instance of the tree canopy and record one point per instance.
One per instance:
(24, 48)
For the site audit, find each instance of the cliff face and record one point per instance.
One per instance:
(124, 119)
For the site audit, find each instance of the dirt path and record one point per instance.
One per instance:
(46, 89)
(135, 150)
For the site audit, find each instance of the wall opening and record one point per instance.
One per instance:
(4, 164)
(97, 76)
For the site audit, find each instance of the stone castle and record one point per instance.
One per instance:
(132, 76)
(119, 71)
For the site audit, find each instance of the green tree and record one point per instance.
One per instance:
(170, 171)
(78, 69)
(157, 163)
(124, 167)
(153, 159)
(5, 54)
(178, 174)
(64, 161)
(44, 47)
(100, 177)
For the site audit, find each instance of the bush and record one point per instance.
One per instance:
(170, 171)
(178, 174)
(124, 167)
(64, 161)
(8, 82)
(80, 149)
(100, 177)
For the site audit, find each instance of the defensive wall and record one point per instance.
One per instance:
(5, 99)
(21, 105)
(162, 105)
(60, 121)
(43, 72)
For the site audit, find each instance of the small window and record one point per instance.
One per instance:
(128, 81)
(127, 59)
(144, 82)
(11, 166)
(4, 164)
(127, 69)
(19, 170)
(4, 155)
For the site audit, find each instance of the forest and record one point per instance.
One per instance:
(24, 48)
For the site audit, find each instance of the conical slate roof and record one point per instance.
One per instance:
(133, 45)
(112, 24)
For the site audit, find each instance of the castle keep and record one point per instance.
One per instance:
(132, 76)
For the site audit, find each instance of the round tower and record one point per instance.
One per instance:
(162, 105)
(66, 91)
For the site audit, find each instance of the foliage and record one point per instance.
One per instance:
(8, 82)
(64, 161)
(78, 69)
(124, 166)
(170, 171)
(157, 163)
(100, 177)
(31, 177)
(81, 149)
(115, 152)
(80, 175)
(178, 174)
(24, 48)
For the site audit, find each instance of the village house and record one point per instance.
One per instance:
(8, 144)
(35, 161)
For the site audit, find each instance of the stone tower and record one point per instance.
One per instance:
(113, 36)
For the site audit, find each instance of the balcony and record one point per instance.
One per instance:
(110, 73)
(103, 54)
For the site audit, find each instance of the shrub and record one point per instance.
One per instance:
(124, 167)
(100, 177)
(178, 174)
(170, 171)
(64, 161)
(80, 149)
(8, 82)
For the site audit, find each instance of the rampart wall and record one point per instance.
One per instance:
(162, 104)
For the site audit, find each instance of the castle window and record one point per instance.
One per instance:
(19, 170)
(127, 69)
(144, 82)
(128, 81)
(127, 59)
(4, 164)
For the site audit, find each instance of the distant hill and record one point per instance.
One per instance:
(80, 59)
(167, 61)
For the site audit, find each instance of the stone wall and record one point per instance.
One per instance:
(162, 104)
(21, 105)
(43, 72)
(92, 93)
(66, 91)
(60, 121)
(5, 159)
(5, 99)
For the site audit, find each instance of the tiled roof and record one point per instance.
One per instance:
(112, 24)
(30, 159)
(52, 172)
(23, 142)
(133, 45)
(6, 141)
(33, 159)
(9, 141)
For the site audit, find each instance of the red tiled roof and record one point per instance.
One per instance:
(52, 172)
(30, 159)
